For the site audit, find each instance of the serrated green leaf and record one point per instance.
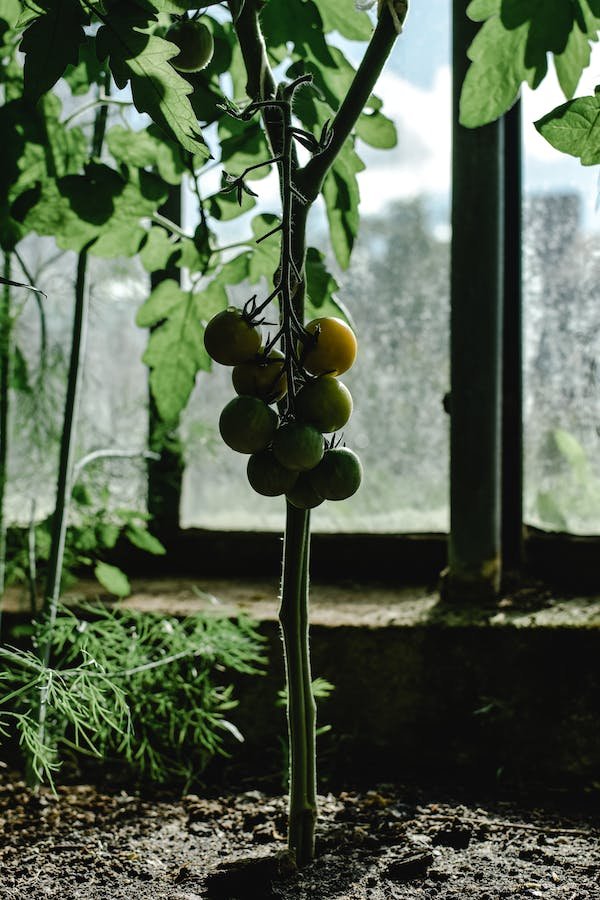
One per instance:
(112, 579)
(242, 144)
(10, 11)
(341, 195)
(225, 207)
(574, 128)
(376, 130)
(51, 43)
(86, 72)
(142, 59)
(166, 297)
(147, 148)
(107, 535)
(211, 299)
(320, 283)
(158, 249)
(235, 270)
(342, 16)
(100, 204)
(512, 46)
(142, 538)
(175, 351)
(196, 252)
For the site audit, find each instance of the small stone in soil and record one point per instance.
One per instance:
(406, 868)
(249, 877)
(455, 835)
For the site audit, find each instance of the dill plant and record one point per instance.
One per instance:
(139, 688)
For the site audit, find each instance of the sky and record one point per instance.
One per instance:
(415, 87)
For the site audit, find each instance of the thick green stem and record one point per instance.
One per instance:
(5, 334)
(299, 189)
(293, 616)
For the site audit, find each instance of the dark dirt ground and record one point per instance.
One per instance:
(390, 842)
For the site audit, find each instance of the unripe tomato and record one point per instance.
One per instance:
(267, 476)
(325, 403)
(333, 348)
(303, 495)
(297, 446)
(338, 475)
(230, 339)
(263, 377)
(247, 424)
(195, 42)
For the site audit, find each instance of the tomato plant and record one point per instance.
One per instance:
(107, 187)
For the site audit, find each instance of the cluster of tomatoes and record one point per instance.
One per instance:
(288, 454)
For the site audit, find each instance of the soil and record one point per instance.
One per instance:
(389, 842)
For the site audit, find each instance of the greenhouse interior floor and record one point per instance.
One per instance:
(462, 762)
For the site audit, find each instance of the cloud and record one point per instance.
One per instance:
(420, 163)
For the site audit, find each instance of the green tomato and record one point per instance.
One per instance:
(195, 42)
(230, 339)
(247, 424)
(263, 377)
(304, 495)
(325, 403)
(298, 446)
(267, 476)
(338, 475)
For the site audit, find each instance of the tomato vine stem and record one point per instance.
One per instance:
(299, 188)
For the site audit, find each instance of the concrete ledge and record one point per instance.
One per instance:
(511, 692)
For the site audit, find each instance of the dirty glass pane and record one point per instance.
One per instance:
(113, 400)
(562, 330)
(397, 291)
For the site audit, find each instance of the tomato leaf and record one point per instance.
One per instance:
(320, 283)
(147, 148)
(157, 250)
(112, 579)
(376, 130)
(142, 59)
(341, 195)
(51, 43)
(574, 128)
(175, 352)
(142, 538)
(342, 16)
(511, 48)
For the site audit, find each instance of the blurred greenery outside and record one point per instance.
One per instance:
(397, 292)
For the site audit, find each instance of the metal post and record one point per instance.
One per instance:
(474, 558)
(512, 374)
